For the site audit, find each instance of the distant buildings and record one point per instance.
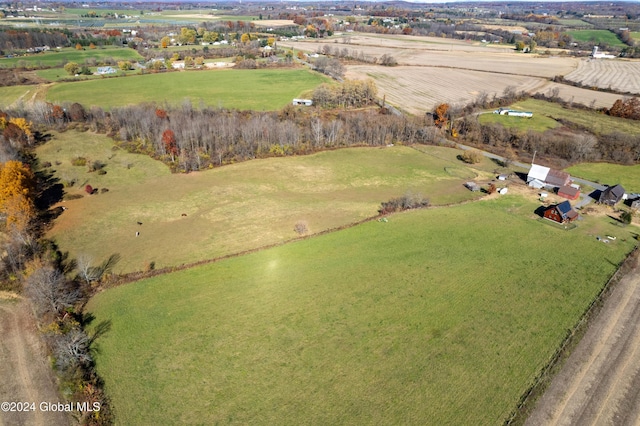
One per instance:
(513, 112)
(596, 55)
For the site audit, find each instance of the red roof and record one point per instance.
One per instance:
(569, 192)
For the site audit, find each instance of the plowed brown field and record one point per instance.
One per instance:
(433, 70)
(622, 75)
(418, 89)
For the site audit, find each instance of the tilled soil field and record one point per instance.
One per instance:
(600, 382)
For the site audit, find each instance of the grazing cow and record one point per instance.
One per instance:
(139, 223)
(137, 234)
(184, 215)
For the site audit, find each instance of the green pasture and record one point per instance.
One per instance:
(11, 94)
(439, 316)
(609, 174)
(100, 11)
(57, 58)
(537, 123)
(594, 121)
(596, 36)
(574, 23)
(237, 207)
(269, 89)
(635, 35)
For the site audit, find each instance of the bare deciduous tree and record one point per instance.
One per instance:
(50, 291)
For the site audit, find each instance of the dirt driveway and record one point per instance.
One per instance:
(600, 382)
(25, 375)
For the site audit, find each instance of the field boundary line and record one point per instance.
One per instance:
(130, 277)
(572, 338)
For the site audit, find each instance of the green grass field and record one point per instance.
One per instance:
(56, 58)
(260, 200)
(10, 94)
(610, 174)
(635, 35)
(594, 121)
(440, 316)
(574, 23)
(537, 123)
(597, 36)
(235, 89)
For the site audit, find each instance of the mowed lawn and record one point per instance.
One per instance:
(269, 89)
(594, 121)
(609, 174)
(237, 207)
(440, 316)
(58, 57)
(597, 36)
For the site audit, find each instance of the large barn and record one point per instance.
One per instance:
(541, 176)
(561, 213)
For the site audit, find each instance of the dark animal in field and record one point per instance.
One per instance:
(184, 215)
(139, 223)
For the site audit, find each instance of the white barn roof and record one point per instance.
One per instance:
(538, 172)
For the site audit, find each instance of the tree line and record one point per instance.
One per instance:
(570, 143)
(34, 267)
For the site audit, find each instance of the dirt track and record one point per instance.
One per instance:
(600, 382)
(26, 376)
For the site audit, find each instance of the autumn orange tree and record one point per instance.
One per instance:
(441, 115)
(16, 131)
(17, 189)
(170, 145)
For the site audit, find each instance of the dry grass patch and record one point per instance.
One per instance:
(233, 208)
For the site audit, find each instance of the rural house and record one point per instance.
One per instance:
(611, 195)
(569, 192)
(561, 213)
(541, 176)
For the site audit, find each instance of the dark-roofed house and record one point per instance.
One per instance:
(561, 213)
(611, 195)
(569, 192)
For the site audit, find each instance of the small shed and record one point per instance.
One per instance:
(611, 195)
(537, 184)
(569, 192)
(472, 186)
(561, 213)
(305, 102)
